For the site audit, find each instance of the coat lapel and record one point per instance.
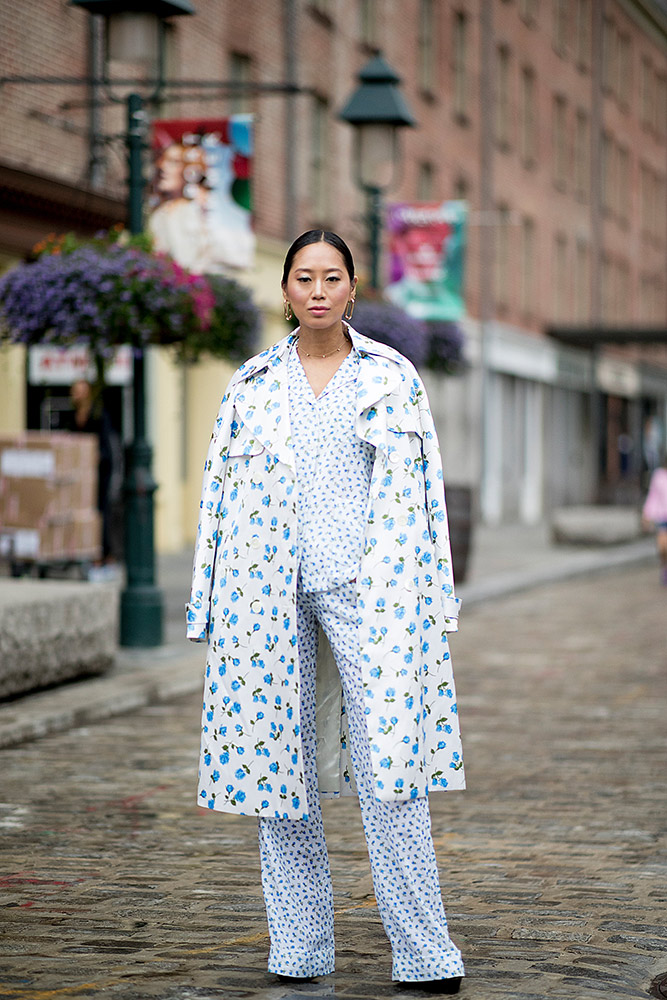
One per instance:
(262, 401)
(379, 375)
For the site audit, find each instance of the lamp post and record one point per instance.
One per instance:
(377, 110)
(135, 34)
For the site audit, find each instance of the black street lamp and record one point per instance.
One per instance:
(377, 110)
(135, 34)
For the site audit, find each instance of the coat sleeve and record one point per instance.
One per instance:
(198, 609)
(436, 509)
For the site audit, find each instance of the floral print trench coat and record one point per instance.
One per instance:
(243, 599)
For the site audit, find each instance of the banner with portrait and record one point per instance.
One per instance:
(200, 208)
(427, 243)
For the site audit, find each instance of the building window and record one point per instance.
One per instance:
(661, 106)
(368, 22)
(646, 199)
(240, 74)
(560, 26)
(503, 65)
(624, 68)
(623, 310)
(427, 42)
(425, 182)
(318, 159)
(647, 96)
(607, 291)
(528, 11)
(502, 269)
(461, 188)
(582, 282)
(583, 33)
(528, 113)
(560, 150)
(608, 172)
(623, 184)
(560, 289)
(528, 264)
(582, 161)
(322, 7)
(609, 55)
(653, 202)
(460, 65)
(661, 210)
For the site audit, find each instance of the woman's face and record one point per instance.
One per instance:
(318, 286)
(169, 166)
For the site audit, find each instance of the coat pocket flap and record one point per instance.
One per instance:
(243, 441)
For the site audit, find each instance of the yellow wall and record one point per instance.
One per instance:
(12, 389)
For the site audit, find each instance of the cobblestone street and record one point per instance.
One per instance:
(553, 864)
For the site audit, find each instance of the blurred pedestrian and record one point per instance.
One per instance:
(654, 513)
(89, 417)
(323, 505)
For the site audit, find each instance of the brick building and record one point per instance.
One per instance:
(548, 116)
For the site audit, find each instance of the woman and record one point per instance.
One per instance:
(654, 513)
(323, 503)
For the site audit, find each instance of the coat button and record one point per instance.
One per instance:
(255, 542)
(394, 457)
(402, 519)
(255, 607)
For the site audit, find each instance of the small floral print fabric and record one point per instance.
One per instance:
(243, 600)
(295, 869)
(333, 475)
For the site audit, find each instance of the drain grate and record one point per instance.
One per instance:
(659, 987)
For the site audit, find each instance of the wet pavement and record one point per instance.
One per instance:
(553, 863)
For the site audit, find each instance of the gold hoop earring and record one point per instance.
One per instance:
(349, 309)
(287, 309)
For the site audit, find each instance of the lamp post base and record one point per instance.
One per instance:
(141, 616)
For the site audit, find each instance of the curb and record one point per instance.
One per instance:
(591, 562)
(139, 680)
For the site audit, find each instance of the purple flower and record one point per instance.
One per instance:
(394, 327)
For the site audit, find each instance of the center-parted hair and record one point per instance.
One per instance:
(318, 236)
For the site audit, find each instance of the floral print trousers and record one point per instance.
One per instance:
(295, 868)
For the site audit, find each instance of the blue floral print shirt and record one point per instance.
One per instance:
(333, 475)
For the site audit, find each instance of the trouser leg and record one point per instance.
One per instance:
(398, 834)
(295, 867)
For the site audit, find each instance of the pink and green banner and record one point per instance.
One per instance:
(427, 243)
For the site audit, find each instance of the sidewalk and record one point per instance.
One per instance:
(504, 560)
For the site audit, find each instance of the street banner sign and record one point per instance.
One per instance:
(200, 204)
(427, 243)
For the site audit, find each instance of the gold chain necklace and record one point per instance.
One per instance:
(328, 355)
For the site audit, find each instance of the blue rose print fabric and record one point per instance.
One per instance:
(295, 868)
(243, 600)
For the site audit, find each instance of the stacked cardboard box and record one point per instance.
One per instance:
(48, 496)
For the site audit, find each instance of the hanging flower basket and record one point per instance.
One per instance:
(446, 348)
(390, 325)
(435, 346)
(112, 290)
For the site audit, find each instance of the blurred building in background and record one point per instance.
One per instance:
(549, 117)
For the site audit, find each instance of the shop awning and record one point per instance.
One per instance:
(34, 205)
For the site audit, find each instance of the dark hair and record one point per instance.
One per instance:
(318, 236)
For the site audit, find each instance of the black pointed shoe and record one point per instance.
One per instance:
(447, 987)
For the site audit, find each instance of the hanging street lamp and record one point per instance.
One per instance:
(135, 33)
(376, 110)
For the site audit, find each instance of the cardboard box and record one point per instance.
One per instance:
(46, 476)
(76, 538)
